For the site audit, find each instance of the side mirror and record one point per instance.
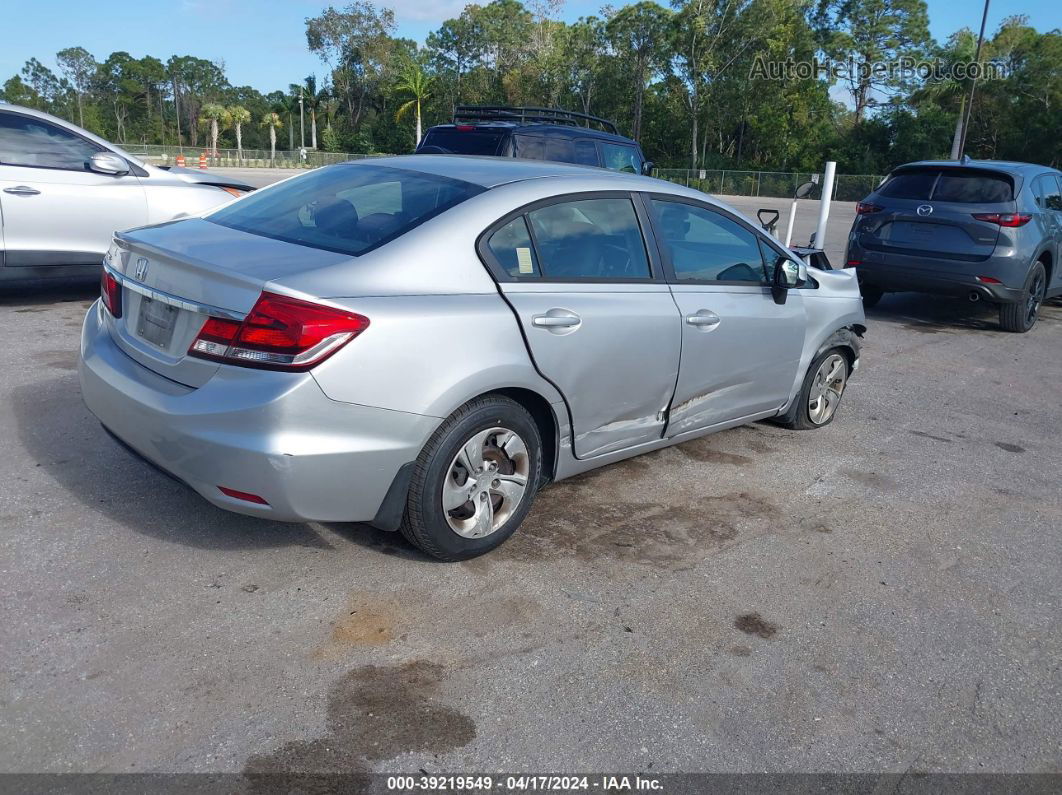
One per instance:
(805, 190)
(647, 168)
(787, 274)
(108, 163)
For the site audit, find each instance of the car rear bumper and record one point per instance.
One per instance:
(898, 273)
(275, 435)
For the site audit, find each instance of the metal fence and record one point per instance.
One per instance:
(782, 185)
(725, 182)
(247, 158)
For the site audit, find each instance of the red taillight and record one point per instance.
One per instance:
(988, 280)
(853, 262)
(1004, 219)
(243, 495)
(111, 293)
(866, 208)
(279, 333)
(464, 127)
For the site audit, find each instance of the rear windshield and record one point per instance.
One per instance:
(474, 141)
(949, 185)
(347, 208)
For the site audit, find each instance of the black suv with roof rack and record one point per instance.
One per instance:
(537, 134)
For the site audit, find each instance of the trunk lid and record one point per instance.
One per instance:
(178, 274)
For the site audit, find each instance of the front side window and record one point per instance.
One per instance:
(349, 208)
(619, 157)
(704, 246)
(590, 239)
(28, 141)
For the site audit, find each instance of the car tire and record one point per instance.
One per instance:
(473, 453)
(803, 414)
(871, 295)
(1020, 316)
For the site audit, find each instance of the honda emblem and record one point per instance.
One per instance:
(141, 268)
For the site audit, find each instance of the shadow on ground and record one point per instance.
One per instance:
(112, 481)
(931, 314)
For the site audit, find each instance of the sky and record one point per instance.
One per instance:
(263, 42)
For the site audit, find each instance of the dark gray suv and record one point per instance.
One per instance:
(984, 229)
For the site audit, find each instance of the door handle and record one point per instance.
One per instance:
(555, 321)
(22, 190)
(703, 318)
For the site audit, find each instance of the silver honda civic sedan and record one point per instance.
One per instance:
(423, 342)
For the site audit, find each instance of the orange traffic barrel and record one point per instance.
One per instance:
(202, 161)
(180, 161)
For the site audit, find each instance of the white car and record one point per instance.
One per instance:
(65, 191)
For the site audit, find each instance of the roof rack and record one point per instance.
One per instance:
(467, 113)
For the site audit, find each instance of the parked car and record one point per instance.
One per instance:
(537, 134)
(982, 229)
(64, 191)
(422, 342)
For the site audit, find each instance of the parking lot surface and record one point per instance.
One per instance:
(879, 595)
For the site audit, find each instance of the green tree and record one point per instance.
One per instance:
(218, 117)
(238, 116)
(415, 83)
(636, 33)
(79, 67)
(871, 32)
(271, 121)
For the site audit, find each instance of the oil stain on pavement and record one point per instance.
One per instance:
(374, 713)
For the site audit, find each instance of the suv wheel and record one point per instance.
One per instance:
(1020, 316)
(820, 395)
(475, 480)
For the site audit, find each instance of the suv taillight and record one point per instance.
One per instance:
(1004, 219)
(111, 293)
(279, 333)
(866, 208)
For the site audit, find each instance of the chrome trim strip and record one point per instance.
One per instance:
(173, 300)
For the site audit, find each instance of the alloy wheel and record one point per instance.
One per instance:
(826, 389)
(486, 482)
(1034, 298)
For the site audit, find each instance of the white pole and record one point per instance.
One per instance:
(824, 204)
(792, 218)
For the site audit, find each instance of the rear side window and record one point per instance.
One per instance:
(27, 141)
(349, 209)
(1047, 192)
(470, 141)
(586, 153)
(532, 147)
(949, 185)
(511, 246)
(590, 239)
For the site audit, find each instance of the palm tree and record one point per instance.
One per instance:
(273, 122)
(315, 101)
(239, 116)
(414, 81)
(218, 116)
